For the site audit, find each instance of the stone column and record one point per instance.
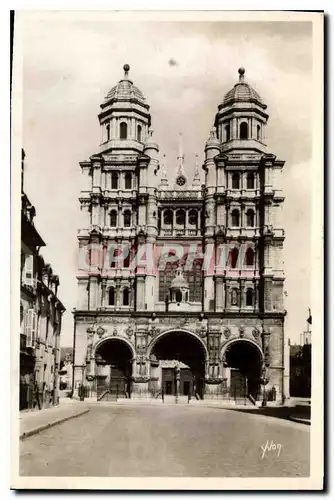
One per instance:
(140, 293)
(219, 293)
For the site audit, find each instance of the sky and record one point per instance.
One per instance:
(70, 63)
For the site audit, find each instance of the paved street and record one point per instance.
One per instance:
(157, 441)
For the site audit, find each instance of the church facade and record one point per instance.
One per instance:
(180, 282)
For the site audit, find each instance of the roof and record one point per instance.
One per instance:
(242, 92)
(125, 89)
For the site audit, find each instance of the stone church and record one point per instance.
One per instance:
(180, 283)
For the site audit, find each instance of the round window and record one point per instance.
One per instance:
(180, 181)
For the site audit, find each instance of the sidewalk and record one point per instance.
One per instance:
(32, 422)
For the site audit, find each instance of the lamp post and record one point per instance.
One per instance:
(177, 379)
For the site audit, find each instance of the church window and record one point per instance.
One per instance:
(180, 217)
(126, 297)
(127, 218)
(250, 181)
(244, 130)
(114, 180)
(193, 217)
(111, 296)
(235, 218)
(249, 257)
(233, 257)
(234, 297)
(139, 133)
(108, 131)
(236, 181)
(113, 218)
(168, 217)
(227, 132)
(123, 130)
(126, 261)
(250, 218)
(128, 180)
(258, 132)
(249, 297)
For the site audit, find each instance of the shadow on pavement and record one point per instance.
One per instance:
(283, 412)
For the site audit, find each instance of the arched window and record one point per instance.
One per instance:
(227, 132)
(126, 297)
(108, 131)
(244, 130)
(111, 297)
(114, 180)
(126, 253)
(233, 257)
(178, 296)
(236, 181)
(250, 218)
(139, 133)
(258, 132)
(123, 129)
(180, 217)
(249, 297)
(128, 180)
(193, 217)
(168, 217)
(235, 218)
(234, 296)
(113, 218)
(127, 218)
(249, 257)
(250, 180)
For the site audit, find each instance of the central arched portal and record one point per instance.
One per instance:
(178, 364)
(113, 371)
(243, 362)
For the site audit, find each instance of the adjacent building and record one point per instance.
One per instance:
(40, 316)
(180, 282)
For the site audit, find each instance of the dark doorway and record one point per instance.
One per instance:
(113, 370)
(188, 351)
(244, 359)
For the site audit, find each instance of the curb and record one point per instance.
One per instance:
(304, 421)
(51, 424)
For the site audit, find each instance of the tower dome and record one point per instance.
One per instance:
(124, 118)
(241, 118)
(125, 89)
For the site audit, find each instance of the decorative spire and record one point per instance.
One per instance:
(164, 179)
(180, 175)
(241, 72)
(126, 68)
(196, 180)
(181, 155)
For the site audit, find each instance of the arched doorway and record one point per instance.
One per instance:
(242, 361)
(113, 369)
(178, 364)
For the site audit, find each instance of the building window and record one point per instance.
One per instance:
(258, 133)
(111, 295)
(194, 277)
(114, 180)
(244, 130)
(180, 217)
(249, 257)
(113, 218)
(139, 133)
(235, 218)
(233, 257)
(236, 181)
(250, 181)
(108, 131)
(128, 180)
(249, 297)
(127, 218)
(234, 297)
(193, 217)
(250, 218)
(168, 217)
(227, 132)
(126, 297)
(123, 130)
(126, 261)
